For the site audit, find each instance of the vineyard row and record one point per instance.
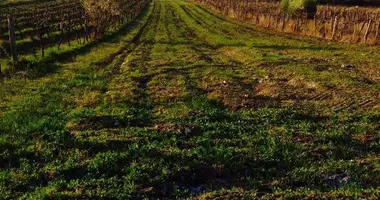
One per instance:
(26, 29)
(339, 23)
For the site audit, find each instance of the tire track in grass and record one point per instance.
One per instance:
(116, 59)
(239, 89)
(240, 26)
(144, 56)
(319, 97)
(89, 134)
(133, 75)
(168, 50)
(354, 104)
(194, 37)
(195, 43)
(225, 29)
(202, 174)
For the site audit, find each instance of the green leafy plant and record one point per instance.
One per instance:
(295, 7)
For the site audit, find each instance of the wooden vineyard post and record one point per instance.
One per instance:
(278, 21)
(69, 24)
(367, 31)
(61, 35)
(315, 25)
(361, 29)
(334, 27)
(42, 45)
(377, 31)
(324, 29)
(331, 24)
(12, 37)
(354, 32)
(1, 25)
(86, 33)
(295, 27)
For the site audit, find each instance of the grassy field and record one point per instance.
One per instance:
(184, 103)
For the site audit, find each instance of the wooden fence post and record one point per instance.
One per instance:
(61, 34)
(334, 27)
(315, 25)
(377, 32)
(367, 31)
(354, 32)
(12, 37)
(331, 24)
(42, 44)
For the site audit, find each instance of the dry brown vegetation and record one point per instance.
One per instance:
(339, 23)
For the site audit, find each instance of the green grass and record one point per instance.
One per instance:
(5, 3)
(184, 103)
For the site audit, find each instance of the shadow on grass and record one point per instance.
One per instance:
(52, 62)
(289, 47)
(52, 41)
(19, 3)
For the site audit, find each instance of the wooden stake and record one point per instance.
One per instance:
(315, 25)
(334, 27)
(86, 32)
(353, 34)
(377, 31)
(1, 26)
(367, 31)
(12, 37)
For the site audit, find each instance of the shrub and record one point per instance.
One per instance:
(103, 13)
(295, 7)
